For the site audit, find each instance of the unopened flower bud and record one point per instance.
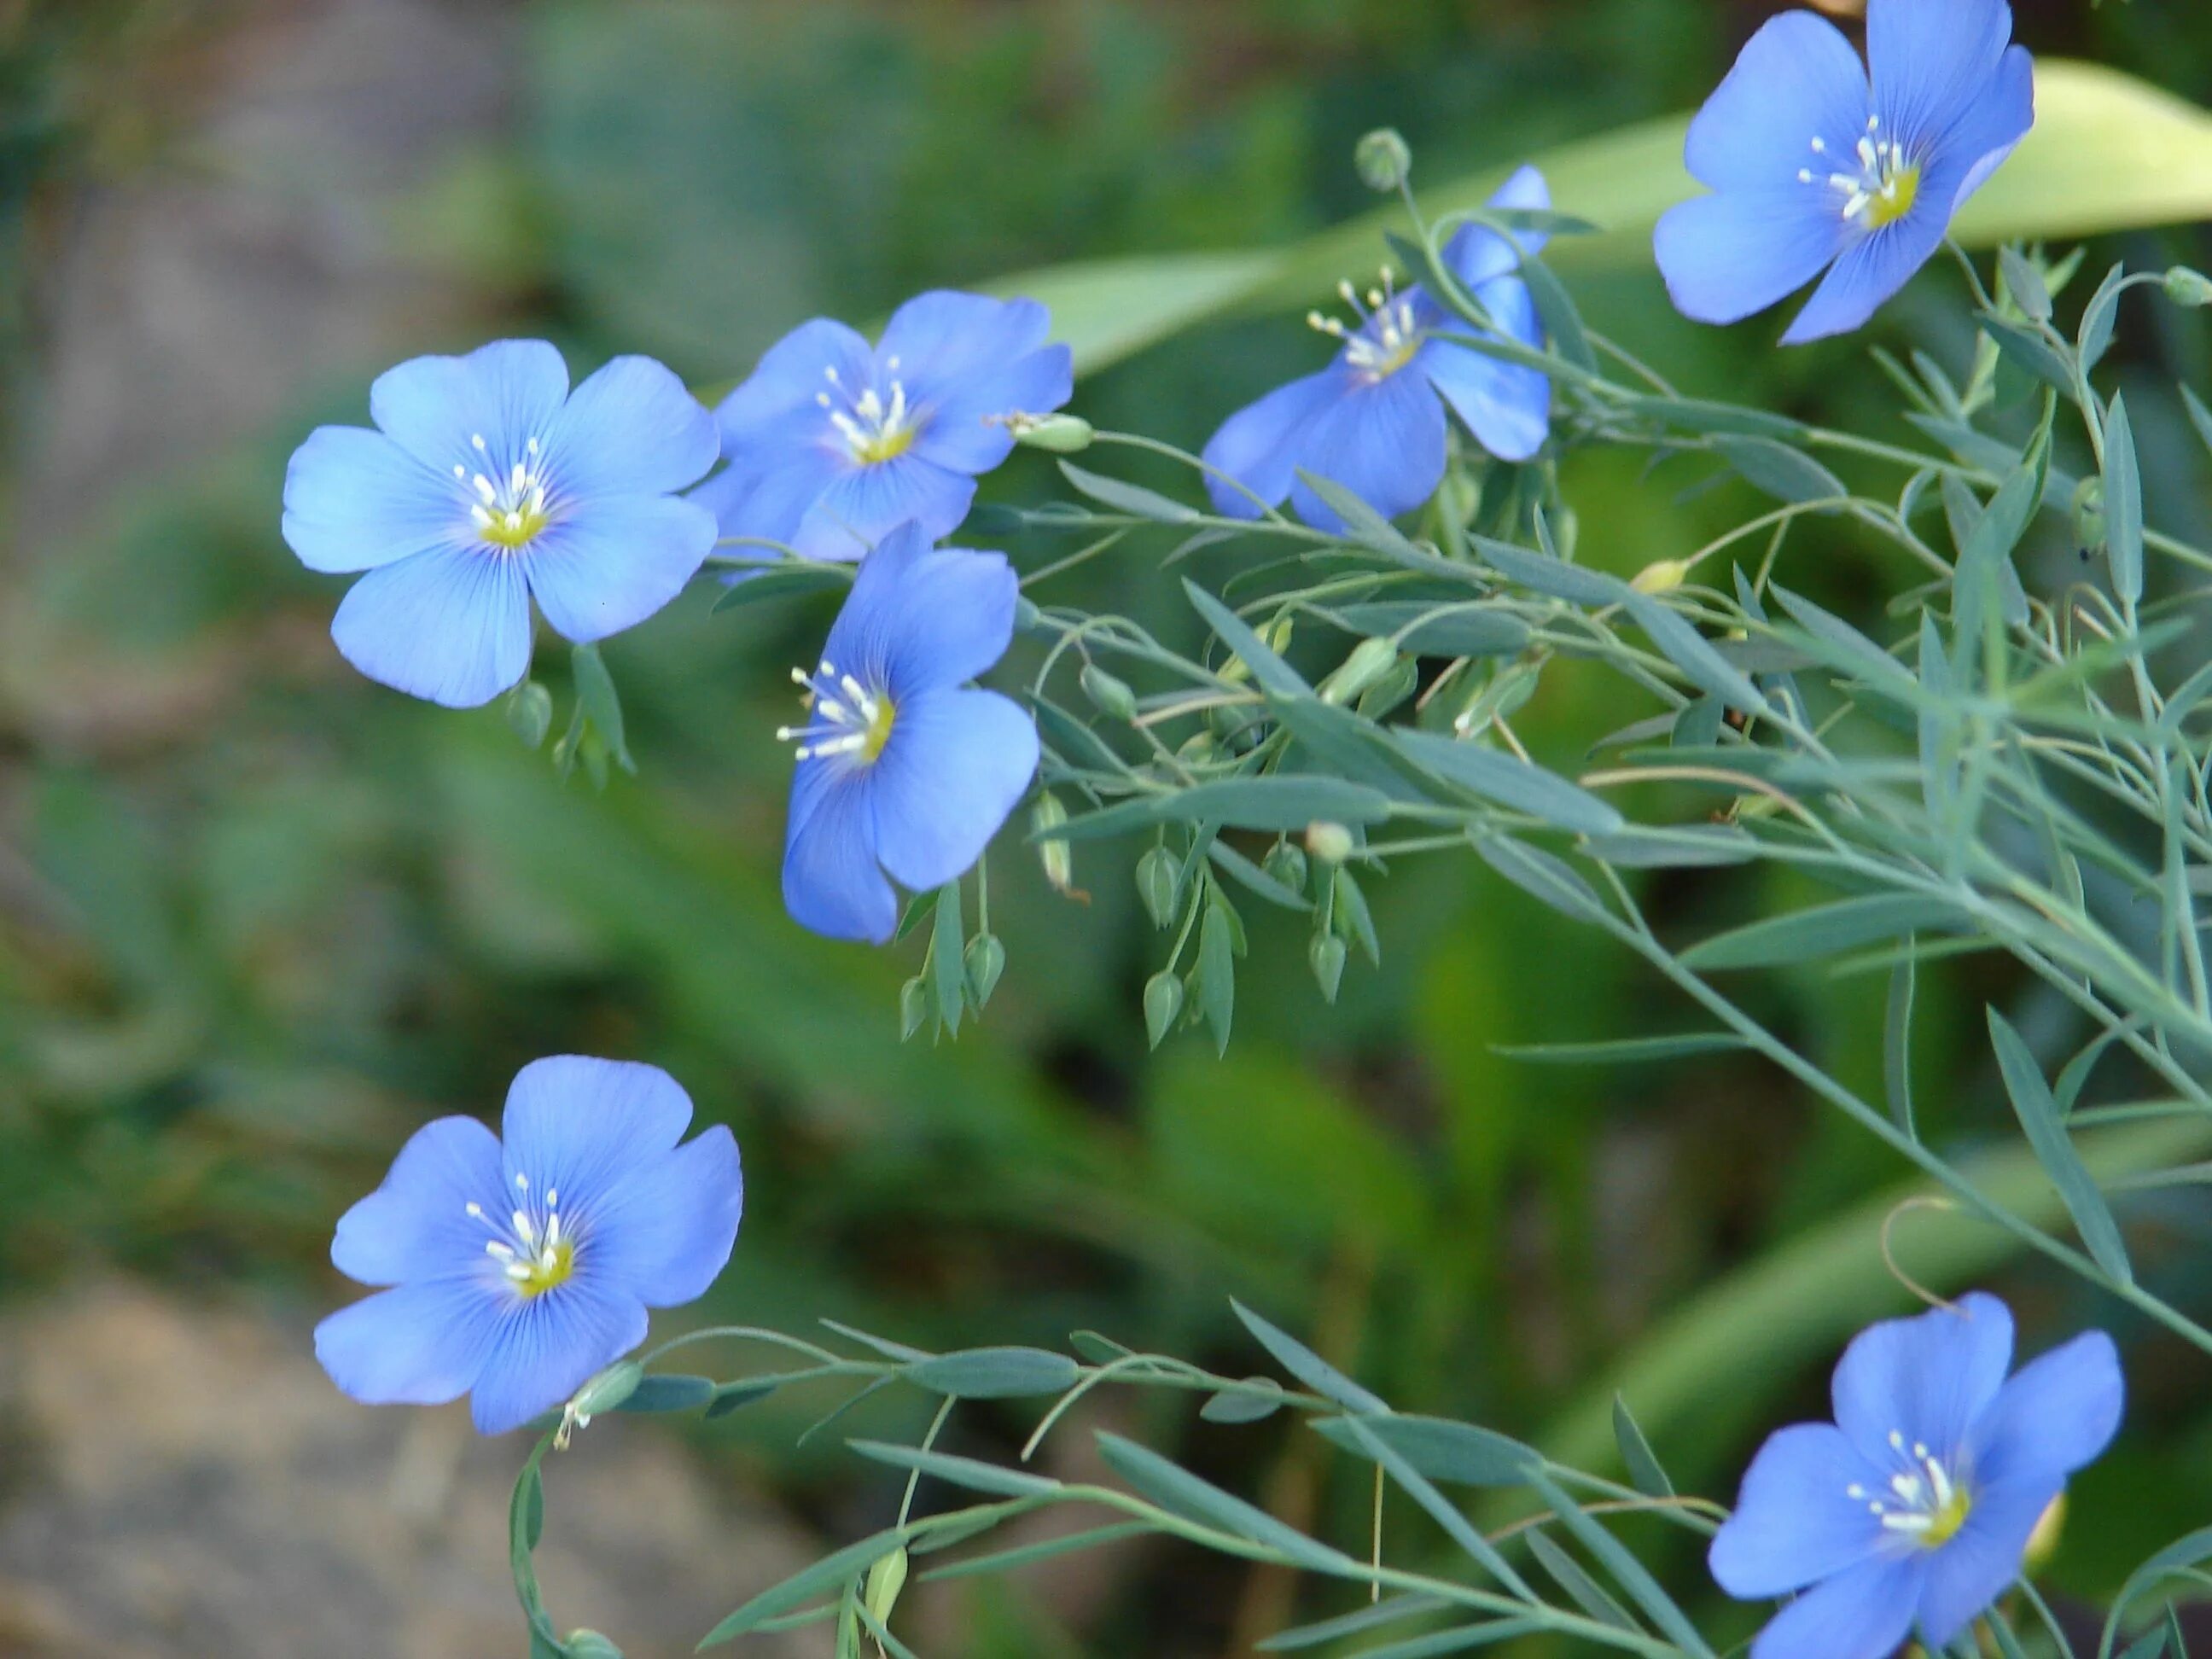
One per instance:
(986, 959)
(1399, 682)
(1663, 577)
(529, 713)
(1383, 159)
(1058, 862)
(589, 1645)
(1199, 748)
(1331, 843)
(1287, 864)
(1062, 434)
(1156, 885)
(886, 1580)
(1108, 694)
(1276, 635)
(913, 1006)
(2186, 287)
(2089, 514)
(602, 1392)
(1371, 660)
(1325, 955)
(2043, 1542)
(1162, 1005)
(1566, 530)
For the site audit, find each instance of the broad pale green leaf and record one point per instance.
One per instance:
(2124, 506)
(1265, 1400)
(1511, 782)
(1309, 1367)
(1786, 474)
(1175, 1488)
(669, 1394)
(1464, 629)
(1277, 801)
(1441, 1448)
(1824, 930)
(2108, 152)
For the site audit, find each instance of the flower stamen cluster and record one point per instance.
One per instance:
(1936, 1503)
(1388, 332)
(1882, 191)
(536, 1254)
(848, 718)
(874, 429)
(510, 513)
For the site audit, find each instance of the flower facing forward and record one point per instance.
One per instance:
(1916, 1505)
(832, 443)
(903, 774)
(1811, 167)
(487, 483)
(521, 1264)
(1371, 421)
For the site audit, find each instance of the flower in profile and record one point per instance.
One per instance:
(904, 773)
(1917, 1504)
(486, 483)
(832, 443)
(1371, 421)
(1817, 162)
(520, 1264)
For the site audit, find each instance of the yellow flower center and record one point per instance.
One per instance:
(554, 1265)
(875, 429)
(1893, 198)
(848, 719)
(1387, 335)
(535, 1248)
(1923, 1501)
(508, 510)
(1880, 190)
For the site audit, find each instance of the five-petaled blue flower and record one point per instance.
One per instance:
(487, 483)
(1371, 421)
(1811, 167)
(900, 769)
(521, 1269)
(832, 444)
(1916, 1505)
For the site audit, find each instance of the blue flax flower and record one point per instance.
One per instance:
(1371, 421)
(833, 443)
(900, 769)
(487, 483)
(1813, 167)
(1916, 1505)
(520, 1267)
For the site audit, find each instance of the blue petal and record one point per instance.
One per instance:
(768, 496)
(1795, 1522)
(550, 1346)
(420, 1344)
(1972, 1571)
(1796, 79)
(1384, 442)
(1727, 256)
(958, 433)
(1863, 1614)
(1259, 445)
(1476, 254)
(452, 626)
(832, 883)
(942, 338)
(956, 763)
(776, 408)
(416, 1225)
(506, 393)
(1869, 273)
(1931, 63)
(631, 429)
(1990, 131)
(355, 499)
(863, 504)
(666, 1228)
(2056, 1415)
(1926, 1379)
(1507, 406)
(919, 618)
(584, 1125)
(615, 562)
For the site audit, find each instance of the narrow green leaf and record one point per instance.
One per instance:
(1242, 1407)
(668, 1393)
(2030, 353)
(1274, 800)
(1541, 573)
(1273, 674)
(1462, 1639)
(948, 944)
(995, 1373)
(1897, 1045)
(1644, 1472)
(1691, 653)
(1459, 1454)
(1356, 1623)
(782, 581)
(1542, 877)
(1000, 1561)
(1823, 930)
(1362, 522)
(1625, 1568)
(1127, 497)
(2123, 508)
(1685, 847)
(970, 1472)
(1175, 1489)
(832, 1571)
(1626, 1051)
(1456, 629)
(2199, 416)
(602, 706)
(1788, 474)
(1309, 1367)
(2039, 1115)
(1440, 1509)
(1510, 782)
(1217, 974)
(732, 1397)
(1582, 1590)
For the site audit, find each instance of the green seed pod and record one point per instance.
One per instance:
(1156, 874)
(2186, 287)
(1062, 434)
(1371, 660)
(1401, 680)
(589, 1645)
(1383, 159)
(1110, 696)
(529, 713)
(2089, 514)
(1162, 1005)
(1326, 955)
(1286, 863)
(986, 959)
(913, 1006)
(607, 1390)
(1058, 861)
(1331, 843)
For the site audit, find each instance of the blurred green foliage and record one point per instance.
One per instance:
(259, 918)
